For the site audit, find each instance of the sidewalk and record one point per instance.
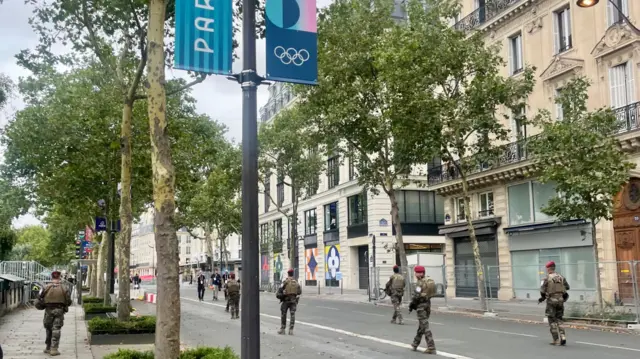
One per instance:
(22, 335)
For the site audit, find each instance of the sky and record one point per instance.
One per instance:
(217, 97)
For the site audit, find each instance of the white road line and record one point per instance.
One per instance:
(365, 313)
(351, 334)
(609, 346)
(319, 306)
(501, 332)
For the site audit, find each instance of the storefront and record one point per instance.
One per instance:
(568, 244)
(465, 271)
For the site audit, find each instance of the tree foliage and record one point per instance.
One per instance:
(5, 89)
(580, 157)
(35, 243)
(290, 150)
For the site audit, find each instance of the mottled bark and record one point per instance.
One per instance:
(482, 289)
(100, 267)
(91, 274)
(395, 218)
(126, 216)
(167, 345)
(597, 260)
(107, 279)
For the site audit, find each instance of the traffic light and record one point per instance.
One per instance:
(78, 248)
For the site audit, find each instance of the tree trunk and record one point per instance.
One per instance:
(167, 345)
(597, 260)
(395, 217)
(91, 274)
(109, 274)
(482, 289)
(100, 270)
(126, 216)
(294, 241)
(207, 237)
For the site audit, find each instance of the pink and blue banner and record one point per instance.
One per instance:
(292, 41)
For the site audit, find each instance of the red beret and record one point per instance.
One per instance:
(232, 275)
(418, 269)
(290, 271)
(395, 267)
(550, 264)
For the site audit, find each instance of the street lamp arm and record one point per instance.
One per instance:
(624, 17)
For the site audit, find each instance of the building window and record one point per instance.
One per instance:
(264, 232)
(515, 54)
(188, 250)
(613, 15)
(518, 126)
(331, 216)
(460, 214)
(357, 209)
(188, 239)
(486, 204)
(277, 227)
(280, 190)
(352, 168)
(559, 107)
(267, 189)
(420, 207)
(239, 253)
(562, 30)
(333, 171)
(310, 222)
(526, 201)
(621, 85)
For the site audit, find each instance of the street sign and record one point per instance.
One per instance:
(338, 275)
(204, 36)
(383, 223)
(292, 41)
(101, 224)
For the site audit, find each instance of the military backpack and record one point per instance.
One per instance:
(291, 287)
(233, 287)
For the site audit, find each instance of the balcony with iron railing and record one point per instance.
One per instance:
(628, 118)
(484, 14)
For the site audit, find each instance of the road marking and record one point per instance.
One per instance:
(365, 313)
(609, 346)
(351, 334)
(501, 332)
(319, 306)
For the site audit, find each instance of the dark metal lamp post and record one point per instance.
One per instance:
(591, 3)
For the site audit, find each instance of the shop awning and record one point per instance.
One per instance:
(482, 227)
(538, 226)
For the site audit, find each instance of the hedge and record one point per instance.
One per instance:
(88, 299)
(135, 325)
(95, 308)
(198, 353)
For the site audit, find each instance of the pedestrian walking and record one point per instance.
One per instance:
(554, 290)
(233, 289)
(421, 302)
(289, 295)
(201, 281)
(216, 283)
(55, 300)
(395, 290)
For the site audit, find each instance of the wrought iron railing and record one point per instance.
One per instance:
(485, 213)
(483, 14)
(628, 117)
(510, 153)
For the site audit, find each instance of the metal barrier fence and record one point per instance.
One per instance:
(30, 271)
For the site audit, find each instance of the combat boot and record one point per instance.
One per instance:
(281, 331)
(54, 352)
(554, 342)
(430, 351)
(400, 322)
(47, 350)
(563, 340)
(414, 347)
(393, 321)
(290, 331)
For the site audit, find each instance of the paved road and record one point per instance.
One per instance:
(332, 329)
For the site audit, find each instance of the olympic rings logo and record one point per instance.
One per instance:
(291, 55)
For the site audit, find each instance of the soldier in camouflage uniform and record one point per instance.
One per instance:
(233, 290)
(554, 290)
(421, 302)
(56, 300)
(289, 295)
(395, 290)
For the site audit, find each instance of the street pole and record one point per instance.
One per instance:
(112, 259)
(249, 80)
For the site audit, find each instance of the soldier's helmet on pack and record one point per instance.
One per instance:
(55, 274)
(396, 269)
(232, 276)
(418, 269)
(290, 271)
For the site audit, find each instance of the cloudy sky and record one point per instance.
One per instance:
(217, 96)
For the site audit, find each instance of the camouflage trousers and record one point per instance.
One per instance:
(554, 312)
(291, 305)
(53, 322)
(396, 300)
(234, 304)
(423, 313)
